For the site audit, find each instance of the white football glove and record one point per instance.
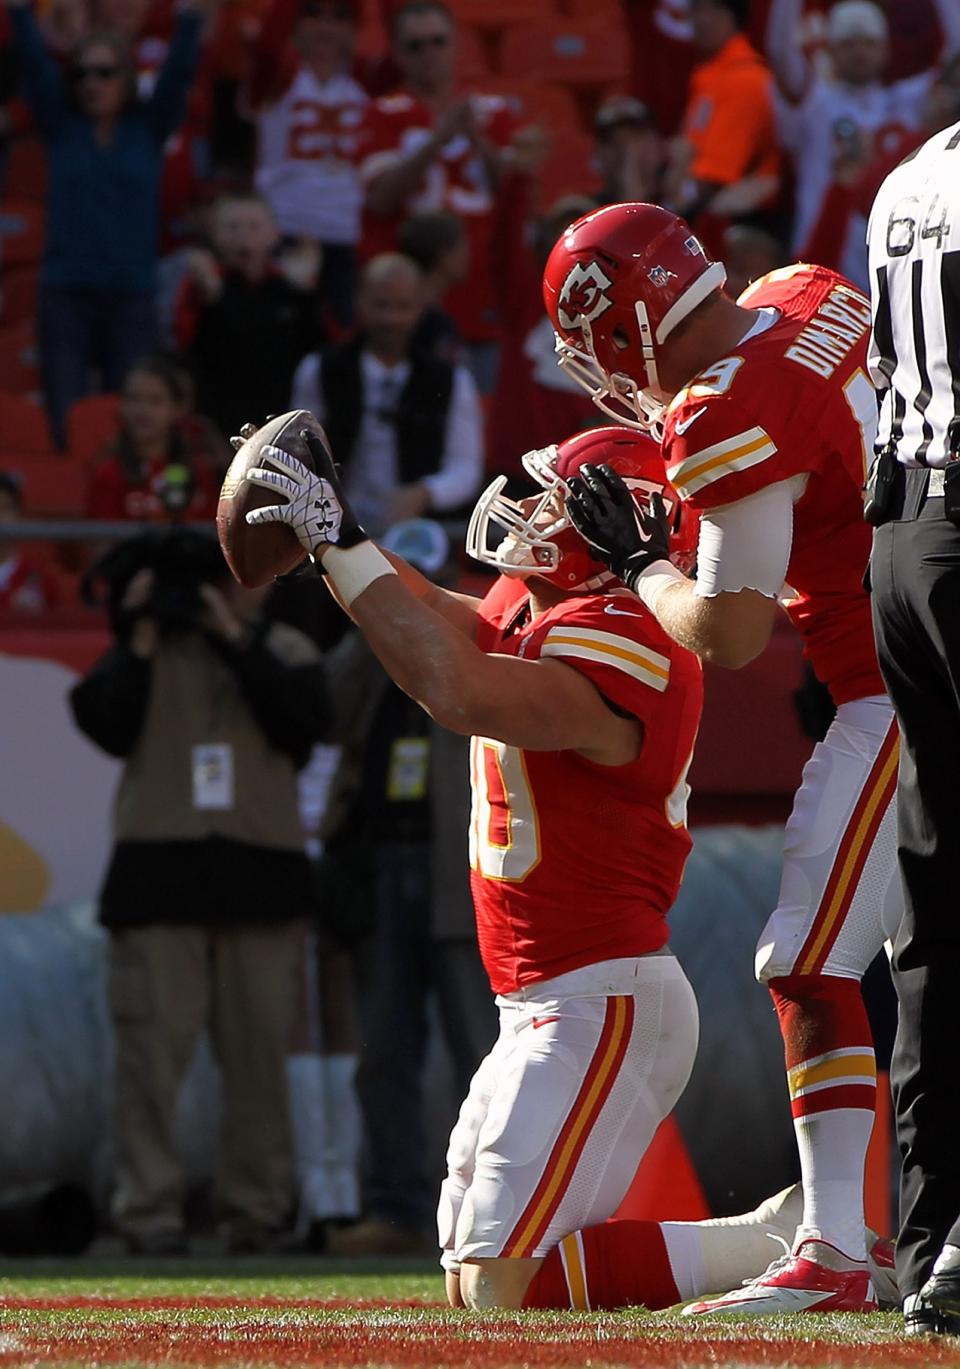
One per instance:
(311, 506)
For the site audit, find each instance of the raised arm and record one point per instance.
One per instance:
(392, 177)
(787, 58)
(948, 12)
(539, 705)
(43, 83)
(725, 626)
(459, 610)
(271, 67)
(168, 103)
(536, 705)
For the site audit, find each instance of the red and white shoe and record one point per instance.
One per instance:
(814, 1277)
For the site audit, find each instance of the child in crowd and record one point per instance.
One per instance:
(165, 462)
(245, 317)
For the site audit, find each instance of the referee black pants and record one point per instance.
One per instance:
(915, 574)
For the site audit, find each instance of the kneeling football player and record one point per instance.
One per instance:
(583, 715)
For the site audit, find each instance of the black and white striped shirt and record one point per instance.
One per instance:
(914, 242)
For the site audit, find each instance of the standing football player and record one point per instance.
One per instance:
(768, 419)
(583, 715)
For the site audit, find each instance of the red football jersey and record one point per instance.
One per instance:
(573, 862)
(792, 400)
(457, 181)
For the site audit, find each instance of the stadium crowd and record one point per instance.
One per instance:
(223, 209)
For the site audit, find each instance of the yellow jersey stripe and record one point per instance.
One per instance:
(631, 665)
(596, 637)
(734, 454)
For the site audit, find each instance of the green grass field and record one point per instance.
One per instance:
(319, 1313)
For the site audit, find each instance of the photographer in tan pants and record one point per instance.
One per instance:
(212, 709)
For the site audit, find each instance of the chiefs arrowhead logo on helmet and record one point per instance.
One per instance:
(582, 297)
(612, 323)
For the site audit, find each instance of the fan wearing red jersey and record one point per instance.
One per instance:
(431, 146)
(767, 419)
(583, 715)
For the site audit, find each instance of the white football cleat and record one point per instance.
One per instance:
(813, 1277)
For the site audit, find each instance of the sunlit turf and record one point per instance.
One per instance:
(317, 1312)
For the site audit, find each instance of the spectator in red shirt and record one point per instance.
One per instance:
(434, 146)
(165, 463)
(26, 586)
(309, 112)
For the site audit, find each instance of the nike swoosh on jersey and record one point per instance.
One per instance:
(681, 428)
(620, 612)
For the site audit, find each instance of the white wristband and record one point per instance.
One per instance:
(651, 582)
(354, 569)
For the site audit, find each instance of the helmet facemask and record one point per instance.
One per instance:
(615, 394)
(530, 546)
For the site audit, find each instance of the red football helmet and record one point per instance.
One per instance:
(540, 538)
(615, 286)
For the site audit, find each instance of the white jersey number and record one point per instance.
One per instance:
(861, 398)
(678, 798)
(504, 830)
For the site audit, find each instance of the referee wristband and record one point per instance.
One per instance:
(354, 569)
(653, 580)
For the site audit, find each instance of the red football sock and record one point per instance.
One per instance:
(831, 1075)
(617, 1264)
(819, 1014)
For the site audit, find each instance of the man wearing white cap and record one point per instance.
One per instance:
(820, 116)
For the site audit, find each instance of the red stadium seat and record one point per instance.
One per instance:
(497, 14)
(19, 291)
(52, 485)
(577, 52)
(473, 56)
(23, 428)
(553, 107)
(21, 232)
(589, 9)
(26, 172)
(569, 169)
(91, 423)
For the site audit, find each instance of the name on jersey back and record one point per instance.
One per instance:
(836, 327)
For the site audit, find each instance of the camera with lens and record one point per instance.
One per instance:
(181, 559)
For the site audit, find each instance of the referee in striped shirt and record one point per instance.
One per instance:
(914, 500)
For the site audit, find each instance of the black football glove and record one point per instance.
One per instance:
(626, 537)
